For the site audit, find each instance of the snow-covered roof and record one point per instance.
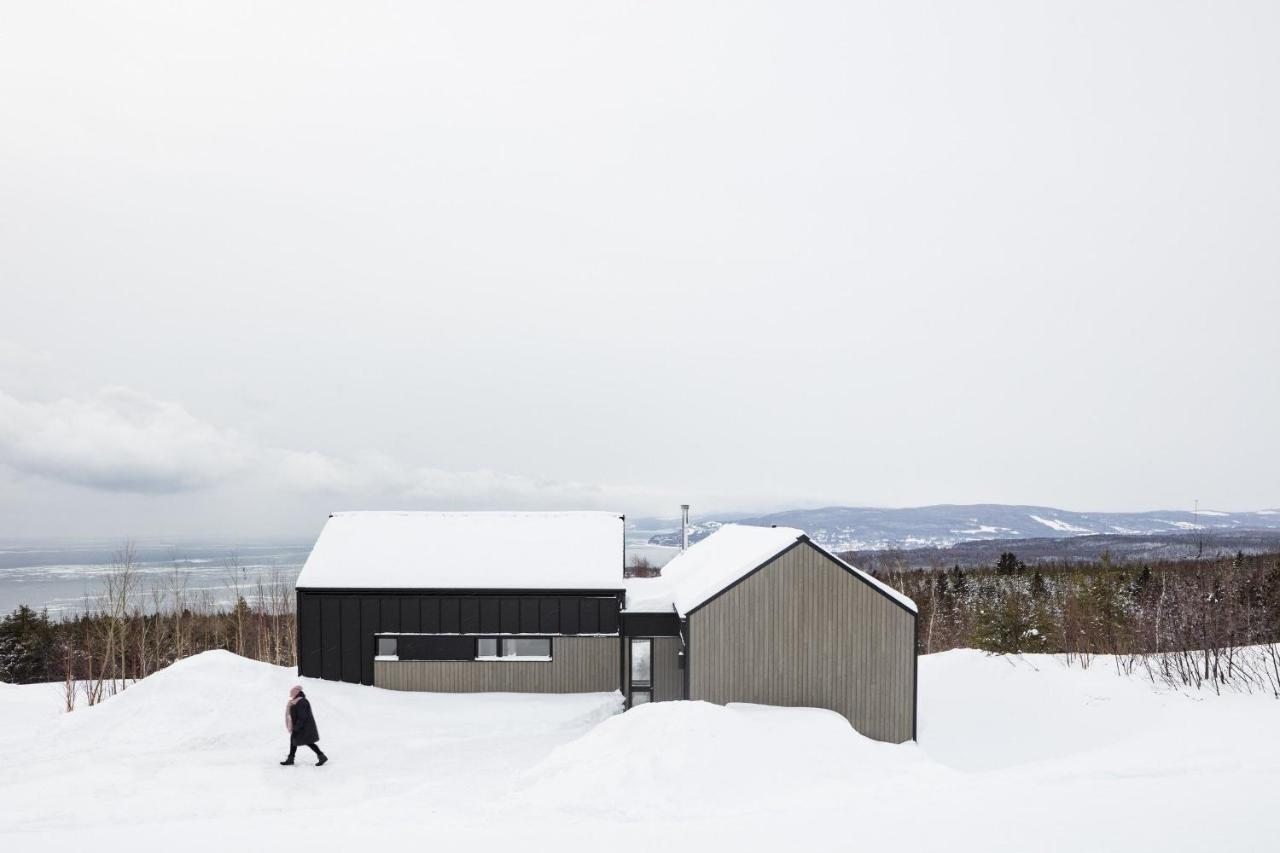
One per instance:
(467, 550)
(720, 560)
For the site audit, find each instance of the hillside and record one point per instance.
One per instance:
(876, 529)
(1076, 549)
(188, 757)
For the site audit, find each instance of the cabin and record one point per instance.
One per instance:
(537, 602)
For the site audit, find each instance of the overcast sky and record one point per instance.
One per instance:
(261, 261)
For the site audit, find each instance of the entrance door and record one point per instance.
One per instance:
(640, 680)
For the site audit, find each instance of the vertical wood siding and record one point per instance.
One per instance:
(668, 677)
(578, 665)
(804, 631)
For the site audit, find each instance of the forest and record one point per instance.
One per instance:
(1210, 623)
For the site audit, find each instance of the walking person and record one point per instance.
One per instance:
(302, 726)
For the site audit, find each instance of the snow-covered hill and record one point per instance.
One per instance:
(872, 528)
(1016, 753)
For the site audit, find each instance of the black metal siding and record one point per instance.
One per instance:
(330, 636)
(650, 624)
(410, 614)
(351, 639)
(370, 619)
(336, 628)
(309, 648)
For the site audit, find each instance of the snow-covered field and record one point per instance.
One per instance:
(1015, 754)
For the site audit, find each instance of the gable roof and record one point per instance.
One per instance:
(721, 560)
(467, 550)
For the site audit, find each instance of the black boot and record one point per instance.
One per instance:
(323, 759)
(288, 760)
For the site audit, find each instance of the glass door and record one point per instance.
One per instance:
(641, 672)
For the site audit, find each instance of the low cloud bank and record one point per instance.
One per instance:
(119, 440)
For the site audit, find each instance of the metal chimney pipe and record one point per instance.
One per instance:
(684, 528)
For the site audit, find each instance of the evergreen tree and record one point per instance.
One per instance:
(26, 643)
(1005, 622)
(1009, 564)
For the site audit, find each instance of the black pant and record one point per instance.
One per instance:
(293, 748)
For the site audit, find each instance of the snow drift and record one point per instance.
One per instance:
(687, 759)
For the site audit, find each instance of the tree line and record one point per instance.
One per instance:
(1200, 623)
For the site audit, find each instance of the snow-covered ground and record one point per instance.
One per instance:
(1015, 754)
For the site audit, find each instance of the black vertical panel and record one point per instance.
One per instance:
(549, 615)
(390, 618)
(490, 623)
(510, 621)
(430, 614)
(437, 648)
(331, 637)
(608, 616)
(589, 616)
(568, 616)
(350, 639)
(469, 615)
(528, 615)
(450, 618)
(309, 637)
(370, 619)
(410, 614)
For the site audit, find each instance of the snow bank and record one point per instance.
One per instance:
(205, 702)
(25, 707)
(1034, 713)
(694, 759)
(217, 699)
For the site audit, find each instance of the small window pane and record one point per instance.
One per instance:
(522, 648)
(639, 697)
(641, 661)
(386, 647)
(487, 647)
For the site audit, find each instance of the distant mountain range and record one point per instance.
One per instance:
(876, 529)
(1206, 544)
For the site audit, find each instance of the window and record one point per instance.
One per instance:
(641, 662)
(641, 689)
(387, 647)
(526, 648)
(513, 648)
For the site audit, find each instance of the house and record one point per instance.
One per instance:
(536, 602)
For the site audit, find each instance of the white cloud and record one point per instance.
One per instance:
(117, 440)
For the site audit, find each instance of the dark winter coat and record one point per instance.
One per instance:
(304, 729)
